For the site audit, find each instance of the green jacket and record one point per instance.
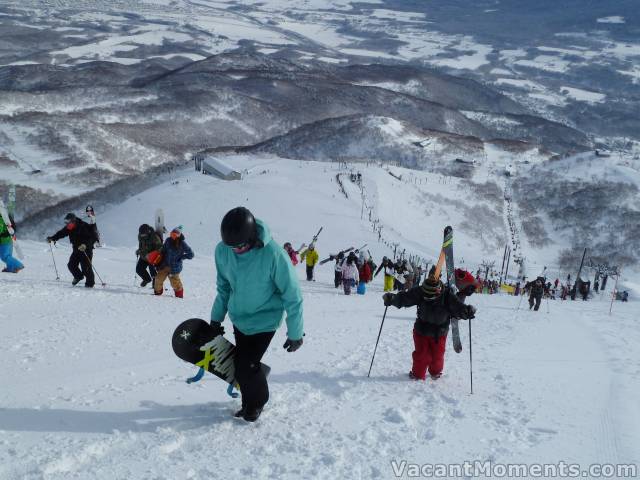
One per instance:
(5, 237)
(257, 287)
(148, 242)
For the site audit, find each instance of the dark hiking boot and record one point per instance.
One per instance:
(252, 415)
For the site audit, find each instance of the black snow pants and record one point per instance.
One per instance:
(337, 279)
(309, 273)
(80, 266)
(141, 270)
(537, 299)
(252, 380)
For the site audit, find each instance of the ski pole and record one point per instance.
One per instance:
(94, 269)
(470, 359)
(134, 272)
(521, 295)
(54, 261)
(547, 304)
(376, 347)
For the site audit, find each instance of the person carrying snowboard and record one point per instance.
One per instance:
(436, 305)
(82, 237)
(173, 252)
(535, 293)
(312, 257)
(148, 241)
(13, 265)
(256, 285)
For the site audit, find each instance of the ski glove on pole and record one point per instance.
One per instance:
(292, 345)
(471, 312)
(388, 299)
(82, 248)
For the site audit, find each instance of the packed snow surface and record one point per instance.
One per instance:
(92, 389)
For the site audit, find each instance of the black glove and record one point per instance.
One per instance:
(471, 312)
(217, 328)
(388, 299)
(50, 239)
(292, 345)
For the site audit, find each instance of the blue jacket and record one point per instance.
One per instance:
(257, 287)
(172, 256)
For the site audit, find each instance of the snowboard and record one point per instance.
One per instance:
(159, 223)
(193, 341)
(7, 220)
(447, 248)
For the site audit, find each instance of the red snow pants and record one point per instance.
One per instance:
(428, 354)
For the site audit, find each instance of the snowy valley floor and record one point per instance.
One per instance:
(91, 388)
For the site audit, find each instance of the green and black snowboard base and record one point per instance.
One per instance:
(195, 342)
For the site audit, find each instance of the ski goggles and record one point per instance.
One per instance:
(241, 248)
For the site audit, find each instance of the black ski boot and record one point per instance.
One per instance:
(252, 415)
(76, 281)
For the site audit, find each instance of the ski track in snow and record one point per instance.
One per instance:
(91, 388)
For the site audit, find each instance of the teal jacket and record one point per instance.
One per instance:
(257, 287)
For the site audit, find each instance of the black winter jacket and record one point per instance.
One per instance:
(433, 315)
(82, 234)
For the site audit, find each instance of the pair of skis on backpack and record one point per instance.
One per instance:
(446, 259)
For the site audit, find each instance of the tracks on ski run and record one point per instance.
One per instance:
(96, 392)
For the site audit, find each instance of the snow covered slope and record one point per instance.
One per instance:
(91, 388)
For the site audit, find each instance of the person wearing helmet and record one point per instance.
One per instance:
(148, 241)
(312, 257)
(82, 237)
(256, 285)
(173, 252)
(437, 304)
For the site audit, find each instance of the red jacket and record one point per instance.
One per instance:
(365, 273)
(293, 255)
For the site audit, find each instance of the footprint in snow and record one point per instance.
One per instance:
(394, 415)
(449, 400)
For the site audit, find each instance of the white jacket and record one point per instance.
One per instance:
(350, 272)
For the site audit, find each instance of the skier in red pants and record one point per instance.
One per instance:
(436, 305)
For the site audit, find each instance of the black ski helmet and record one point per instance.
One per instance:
(88, 209)
(238, 227)
(69, 218)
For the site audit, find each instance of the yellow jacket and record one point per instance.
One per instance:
(311, 256)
